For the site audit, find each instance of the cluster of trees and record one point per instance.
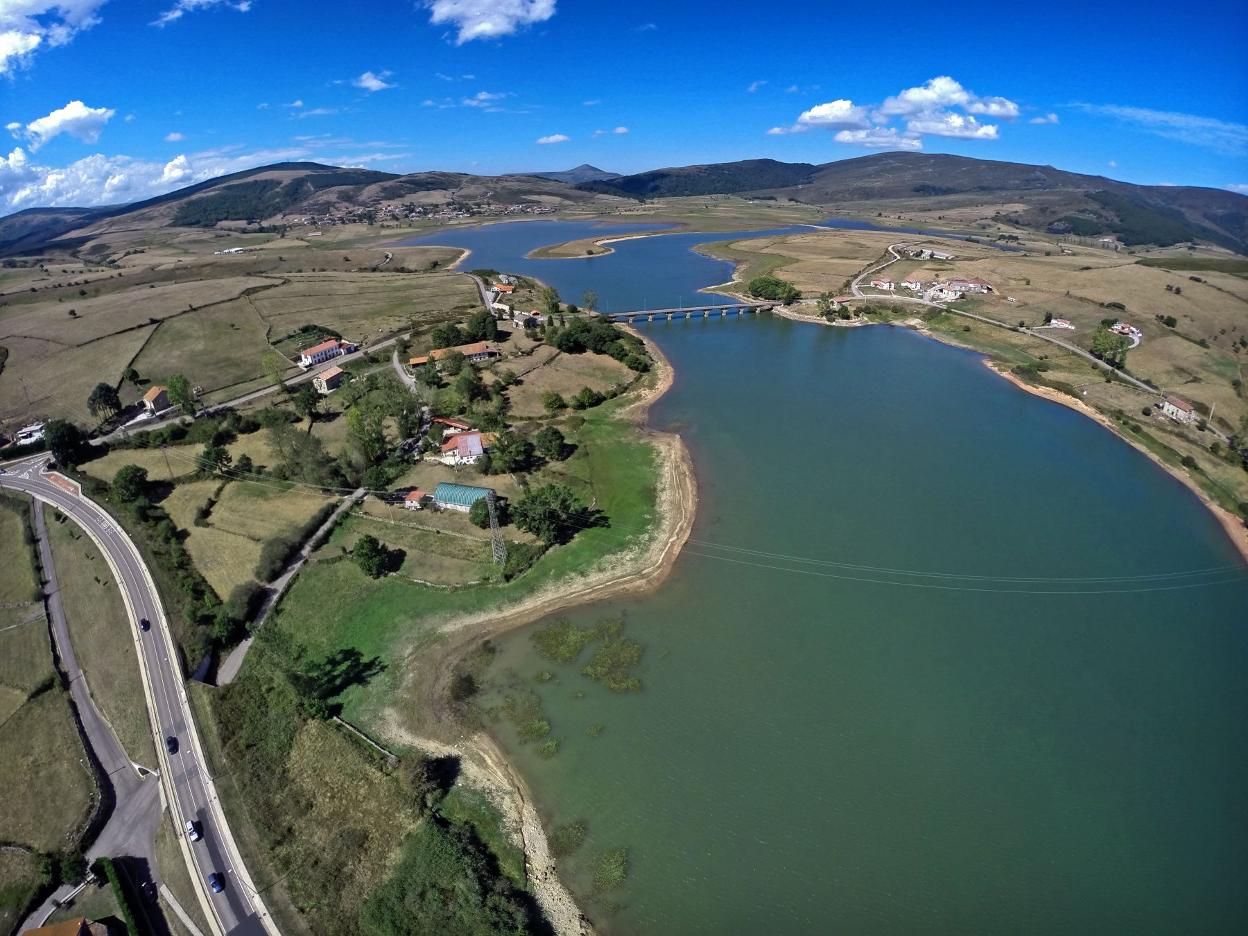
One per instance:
(1110, 347)
(374, 558)
(481, 326)
(553, 513)
(773, 288)
(600, 337)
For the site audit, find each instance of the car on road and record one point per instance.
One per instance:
(216, 882)
(171, 744)
(193, 831)
(145, 624)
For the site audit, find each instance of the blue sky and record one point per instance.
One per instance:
(106, 101)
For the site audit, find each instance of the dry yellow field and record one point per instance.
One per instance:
(213, 348)
(564, 374)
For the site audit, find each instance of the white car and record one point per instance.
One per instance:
(192, 830)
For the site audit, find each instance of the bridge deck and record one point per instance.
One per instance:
(719, 309)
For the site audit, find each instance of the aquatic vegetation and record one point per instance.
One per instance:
(595, 730)
(612, 663)
(548, 748)
(567, 838)
(562, 641)
(523, 708)
(611, 869)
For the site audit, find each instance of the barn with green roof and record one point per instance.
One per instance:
(460, 497)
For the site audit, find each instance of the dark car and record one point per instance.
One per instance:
(171, 744)
(216, 882)
(145, 624)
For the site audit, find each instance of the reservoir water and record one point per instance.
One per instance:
(941, 656)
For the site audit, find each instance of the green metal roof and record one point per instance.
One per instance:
(458, 495)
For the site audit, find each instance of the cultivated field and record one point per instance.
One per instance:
(102, 636)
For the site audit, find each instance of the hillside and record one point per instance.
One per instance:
(1032, 197)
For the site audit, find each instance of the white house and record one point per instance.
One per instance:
(325, 351)
(463, 448)
(962, 284)
(882, 284)
(156, 399)
(415, 500)
(29, 434)
(944, 292)
(912, 283)
(1178, 409)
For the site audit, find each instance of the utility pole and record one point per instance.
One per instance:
(497, 546)
(164, 450)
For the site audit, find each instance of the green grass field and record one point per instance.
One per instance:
(103, 637)
(19, 587)
(22, 875)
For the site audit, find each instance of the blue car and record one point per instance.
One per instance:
(216, 882)
(171, 744)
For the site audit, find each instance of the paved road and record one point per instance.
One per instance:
(131, 827)
(188, 785)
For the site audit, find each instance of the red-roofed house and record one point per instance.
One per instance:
(1178, 409)
(328, 380)
(463, 448)
(882, 284)
(156, 399)
(414, 500)
(476, 352)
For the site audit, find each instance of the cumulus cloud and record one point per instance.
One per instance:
(879, 138)
(553, 138)
(112, 180)
(1045, 119)
(939, 107)
(950, 124)
(488, 19)
(174, 137)
(841, 114)
(75, 118)
(1239, 187)
(28, 25)
(372, 81)
(1221, 136)
(181, 7)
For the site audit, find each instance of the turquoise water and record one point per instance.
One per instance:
(941, 656)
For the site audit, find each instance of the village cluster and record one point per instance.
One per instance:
(380, 213)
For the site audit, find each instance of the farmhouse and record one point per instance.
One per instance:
(912, 283)
(476, 352)
(461, 497)
(328, 380)
(969, 285)
(505, 288)
(463, 448)
(325, 351)
(415, 500)
(882, 284)
(1178, 409)
(156, 399)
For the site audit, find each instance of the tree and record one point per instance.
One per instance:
(587, 397)
(552, 513)
(552, 402)
(371, 556)
(1110, 347)
(65, 441)
(366, 431)
(130, 375)
(550, 443)
(479, 514)
(274, 367)
(307, 402)
(510, 452)
(447, 336)
(452, 363)
(773, 288)
(469, 385)
(589, 300)
(549, 297)
(825, 304)
(104, 400)
(214, 458)
(181, 394)
(130, 483)
(482, 326)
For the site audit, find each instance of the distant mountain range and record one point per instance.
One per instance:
(1032, 197)
(582, 173)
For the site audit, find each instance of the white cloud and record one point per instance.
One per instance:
(181, 7)
(1113, 164)
(782, 131)
(174, 137)
(840, 114)
(488, 19)
(755, 85)
(27, 25)
(317, 112)
(879, 138)
(296, 103)
(371, 81)
(75, 118)
(553, 138)
(621, 131)
(111, 180)
(943, 92)
(647, 27)
(949, 124)
(591, 103)
(1241, 188)
(1045, 119)
(1221, 136)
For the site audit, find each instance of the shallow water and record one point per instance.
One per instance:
(941, 656)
